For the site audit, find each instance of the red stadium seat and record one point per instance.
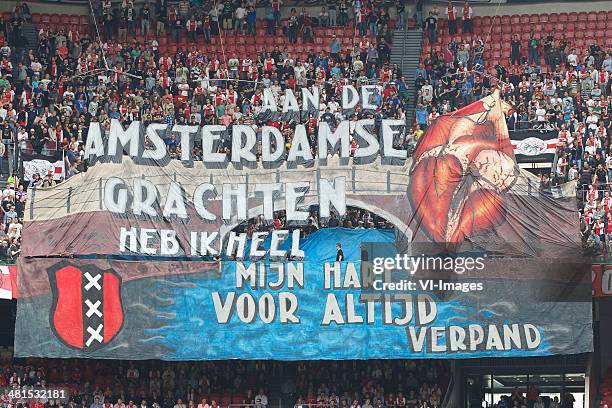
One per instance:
(543, 18)
(83, 20)
(515, 19)
(553, 18)
(524, 18)
(563, 18)
(573, 16)
(592, 16)
(534, 18)
(64, 19)
(582, 16)
(36, 18)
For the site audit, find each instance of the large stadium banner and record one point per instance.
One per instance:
(144, 256)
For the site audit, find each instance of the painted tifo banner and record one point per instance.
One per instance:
(144, 257)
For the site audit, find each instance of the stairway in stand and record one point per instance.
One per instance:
(31, 34)
(406, 53)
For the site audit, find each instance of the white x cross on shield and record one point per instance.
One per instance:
(92, 281)
(93, 308)
(94, 335)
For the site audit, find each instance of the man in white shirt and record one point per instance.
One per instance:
(540, 116)
(262, 397)
(240, 19)
(592, 120)
(572, 58)
(427, 93)
(572, 173)
(607, 63)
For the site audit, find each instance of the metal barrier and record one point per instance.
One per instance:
(278, 405)
(316, 405)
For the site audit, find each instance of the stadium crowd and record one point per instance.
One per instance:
(553, 87)
(48, 102)
(49, 94)
(46, 109)
(357, 218)
(119, 384)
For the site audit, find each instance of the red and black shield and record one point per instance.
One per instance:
(87, 312)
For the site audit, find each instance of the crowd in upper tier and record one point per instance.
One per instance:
(50, 92)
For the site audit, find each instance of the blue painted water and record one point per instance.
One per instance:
(192, 330)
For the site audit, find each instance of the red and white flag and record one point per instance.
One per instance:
(43, 167)
(8, 281)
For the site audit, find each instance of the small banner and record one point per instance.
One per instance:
(534, 146)
(8, 282)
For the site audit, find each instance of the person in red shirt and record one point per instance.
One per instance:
(609, 225)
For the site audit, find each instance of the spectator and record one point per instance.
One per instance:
(451, 16)
(515, 53)
(339, 253)
(467, 18)
(534, 46)
(335, 48)
(240, 22)
(400, 8)
(431, 25)
(145, 20)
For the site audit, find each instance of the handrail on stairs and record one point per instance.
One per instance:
(403, 47)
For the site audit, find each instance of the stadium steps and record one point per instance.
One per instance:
(31, 34)
(275, 397)
(406, 52)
